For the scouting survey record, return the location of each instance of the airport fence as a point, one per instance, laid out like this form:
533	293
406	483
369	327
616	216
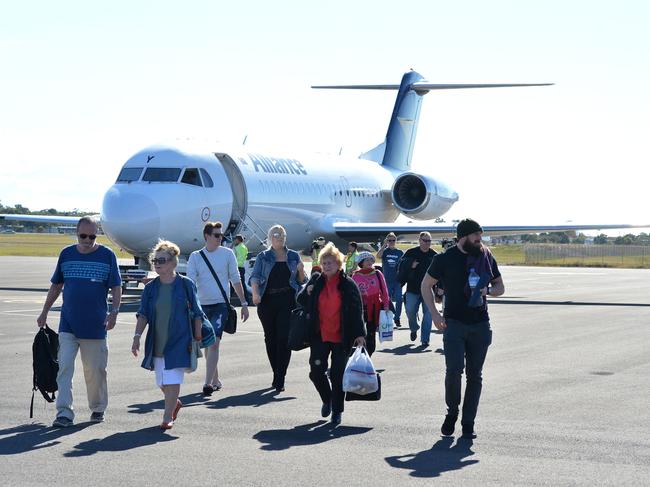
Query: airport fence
633	256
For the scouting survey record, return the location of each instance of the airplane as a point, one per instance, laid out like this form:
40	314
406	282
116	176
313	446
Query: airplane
171	192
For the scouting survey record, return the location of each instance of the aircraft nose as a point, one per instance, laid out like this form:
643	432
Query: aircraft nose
130	219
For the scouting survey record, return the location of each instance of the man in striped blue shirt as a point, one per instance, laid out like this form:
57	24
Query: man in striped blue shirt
85	272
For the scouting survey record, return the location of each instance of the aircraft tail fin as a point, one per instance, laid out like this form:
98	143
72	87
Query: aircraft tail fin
397	148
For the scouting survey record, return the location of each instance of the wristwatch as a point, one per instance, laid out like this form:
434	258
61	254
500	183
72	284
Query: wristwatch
114	312
244	303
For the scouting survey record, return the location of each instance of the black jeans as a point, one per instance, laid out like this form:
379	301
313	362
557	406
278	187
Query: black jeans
274	312
242	272
371	338
330	389
465	345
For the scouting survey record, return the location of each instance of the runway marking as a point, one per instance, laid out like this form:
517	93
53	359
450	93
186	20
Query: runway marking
18	314
21	310
572	273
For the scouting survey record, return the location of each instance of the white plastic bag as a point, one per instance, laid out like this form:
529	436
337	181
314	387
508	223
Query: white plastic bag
386	324
360	376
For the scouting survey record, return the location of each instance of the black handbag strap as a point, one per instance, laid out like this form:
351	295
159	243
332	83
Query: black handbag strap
216	278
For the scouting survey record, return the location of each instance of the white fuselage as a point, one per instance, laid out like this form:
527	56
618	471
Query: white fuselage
160	195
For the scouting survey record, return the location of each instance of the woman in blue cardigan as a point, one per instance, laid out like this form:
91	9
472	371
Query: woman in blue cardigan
170	307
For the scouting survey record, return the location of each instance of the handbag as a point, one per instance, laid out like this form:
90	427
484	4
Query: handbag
298	329
230	326
195	345
373	396
207	331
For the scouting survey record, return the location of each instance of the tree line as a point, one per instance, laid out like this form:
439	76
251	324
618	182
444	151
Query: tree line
570	237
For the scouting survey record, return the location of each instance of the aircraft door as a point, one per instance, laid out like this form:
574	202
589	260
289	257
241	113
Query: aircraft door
346	191
239	192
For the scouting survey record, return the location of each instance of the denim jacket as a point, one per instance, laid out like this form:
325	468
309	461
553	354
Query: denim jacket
177	349
264	263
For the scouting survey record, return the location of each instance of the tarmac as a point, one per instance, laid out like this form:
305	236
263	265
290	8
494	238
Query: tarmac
566	396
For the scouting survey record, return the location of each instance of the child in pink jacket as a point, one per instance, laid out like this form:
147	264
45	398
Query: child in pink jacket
374	294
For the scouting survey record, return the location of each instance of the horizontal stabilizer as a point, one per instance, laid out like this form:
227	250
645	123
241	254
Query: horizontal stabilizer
370	232
425	86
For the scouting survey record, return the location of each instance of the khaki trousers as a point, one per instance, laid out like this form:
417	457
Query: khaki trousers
94	358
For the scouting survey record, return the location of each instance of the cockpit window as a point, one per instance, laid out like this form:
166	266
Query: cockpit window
207	180
162	174
128	174
191	176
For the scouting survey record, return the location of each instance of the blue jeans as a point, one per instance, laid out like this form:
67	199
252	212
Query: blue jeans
413	302
466	345
395	294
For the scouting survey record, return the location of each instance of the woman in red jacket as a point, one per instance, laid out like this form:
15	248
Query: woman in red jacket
334	307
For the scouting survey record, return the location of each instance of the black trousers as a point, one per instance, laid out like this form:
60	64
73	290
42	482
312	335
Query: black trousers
329	389
371	337
242	273
274	312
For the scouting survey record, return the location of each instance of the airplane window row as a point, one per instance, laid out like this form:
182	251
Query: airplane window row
191	176
315	189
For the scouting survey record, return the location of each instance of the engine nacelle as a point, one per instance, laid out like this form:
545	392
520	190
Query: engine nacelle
422	197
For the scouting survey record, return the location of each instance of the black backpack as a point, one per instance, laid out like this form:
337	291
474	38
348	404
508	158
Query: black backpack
45	351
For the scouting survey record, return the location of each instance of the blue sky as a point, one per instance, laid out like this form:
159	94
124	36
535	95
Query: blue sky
85	85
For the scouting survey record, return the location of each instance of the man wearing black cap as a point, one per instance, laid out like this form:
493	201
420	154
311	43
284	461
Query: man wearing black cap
468	273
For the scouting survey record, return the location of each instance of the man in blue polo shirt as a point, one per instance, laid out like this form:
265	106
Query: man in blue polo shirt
390	256
85	273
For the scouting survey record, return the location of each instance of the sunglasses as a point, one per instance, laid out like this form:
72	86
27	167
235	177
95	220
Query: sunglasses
84	236
217	235
160	260
278	235
392	240
425	241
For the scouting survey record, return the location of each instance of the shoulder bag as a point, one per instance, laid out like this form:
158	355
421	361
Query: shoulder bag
230	326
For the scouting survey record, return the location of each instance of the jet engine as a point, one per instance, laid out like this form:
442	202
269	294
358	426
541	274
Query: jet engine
421	197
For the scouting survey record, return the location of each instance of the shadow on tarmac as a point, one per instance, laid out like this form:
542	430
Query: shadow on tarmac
405	349
254	399
30	437
305	434
194	399
121	442
442	457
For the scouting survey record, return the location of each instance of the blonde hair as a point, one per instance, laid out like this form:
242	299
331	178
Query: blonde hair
331	251
275	228
170	248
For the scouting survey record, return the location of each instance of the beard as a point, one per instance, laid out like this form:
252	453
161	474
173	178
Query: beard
473	249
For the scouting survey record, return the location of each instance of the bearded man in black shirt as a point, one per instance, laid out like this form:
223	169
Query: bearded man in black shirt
468	273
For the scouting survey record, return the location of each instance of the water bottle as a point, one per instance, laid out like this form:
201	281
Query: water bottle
473	279
475	298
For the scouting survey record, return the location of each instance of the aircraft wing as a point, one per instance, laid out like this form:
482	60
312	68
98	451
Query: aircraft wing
42	218
371	232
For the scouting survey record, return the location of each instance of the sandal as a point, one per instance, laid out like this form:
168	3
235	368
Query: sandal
166	426
208	389
178	407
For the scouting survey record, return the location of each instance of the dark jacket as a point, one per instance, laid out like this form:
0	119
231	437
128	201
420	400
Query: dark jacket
413	277
351	308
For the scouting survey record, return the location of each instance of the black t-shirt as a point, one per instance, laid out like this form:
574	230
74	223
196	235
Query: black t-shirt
450	268
279	277
416	275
